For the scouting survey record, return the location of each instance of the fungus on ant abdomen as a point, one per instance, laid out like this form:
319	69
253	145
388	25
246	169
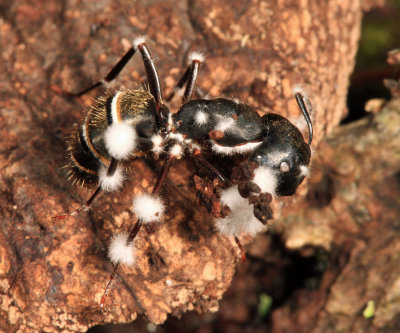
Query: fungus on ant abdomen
130	123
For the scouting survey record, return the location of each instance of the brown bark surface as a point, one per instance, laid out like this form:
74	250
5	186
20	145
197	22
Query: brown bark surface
52	272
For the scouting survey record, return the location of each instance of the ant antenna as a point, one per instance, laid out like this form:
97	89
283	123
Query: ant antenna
302	106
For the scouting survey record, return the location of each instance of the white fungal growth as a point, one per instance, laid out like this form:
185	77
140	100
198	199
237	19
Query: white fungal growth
196	56
111	183
298	89
120	251
148	208
241	220
304	170
176	150
231	197
120	140
200	118
224	124
138	41
266	179
157	143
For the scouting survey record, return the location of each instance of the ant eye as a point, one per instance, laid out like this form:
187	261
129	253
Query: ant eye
284	167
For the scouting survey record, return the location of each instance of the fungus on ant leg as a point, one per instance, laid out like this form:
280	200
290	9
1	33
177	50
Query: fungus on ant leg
130	123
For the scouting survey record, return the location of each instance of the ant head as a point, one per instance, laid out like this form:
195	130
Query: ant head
284	152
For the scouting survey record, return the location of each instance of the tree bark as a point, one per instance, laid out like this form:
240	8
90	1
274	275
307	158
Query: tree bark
53	272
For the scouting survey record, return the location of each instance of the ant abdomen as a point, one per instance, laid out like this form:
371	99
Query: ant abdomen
133	110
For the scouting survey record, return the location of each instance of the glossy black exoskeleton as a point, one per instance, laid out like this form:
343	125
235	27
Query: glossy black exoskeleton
232	127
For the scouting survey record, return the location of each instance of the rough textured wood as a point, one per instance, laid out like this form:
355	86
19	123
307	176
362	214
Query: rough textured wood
52	273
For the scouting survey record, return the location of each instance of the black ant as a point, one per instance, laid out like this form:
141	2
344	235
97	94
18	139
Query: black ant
123	125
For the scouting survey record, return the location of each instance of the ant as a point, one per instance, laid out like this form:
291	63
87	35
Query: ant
130	123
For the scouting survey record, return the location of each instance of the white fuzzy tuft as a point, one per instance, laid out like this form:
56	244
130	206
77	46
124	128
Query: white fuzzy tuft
138	41
196	56
200	118
224	124
111	183
148	208
121	252
241	220
157	143
231	197
195	146
265	178
120	140
298	89
304	170
176	150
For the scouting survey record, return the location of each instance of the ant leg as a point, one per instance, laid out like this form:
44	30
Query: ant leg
110	172
180	83
151	72
152	76
241	248
108	78
189	77
112	74
192	81
199	157
136	228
